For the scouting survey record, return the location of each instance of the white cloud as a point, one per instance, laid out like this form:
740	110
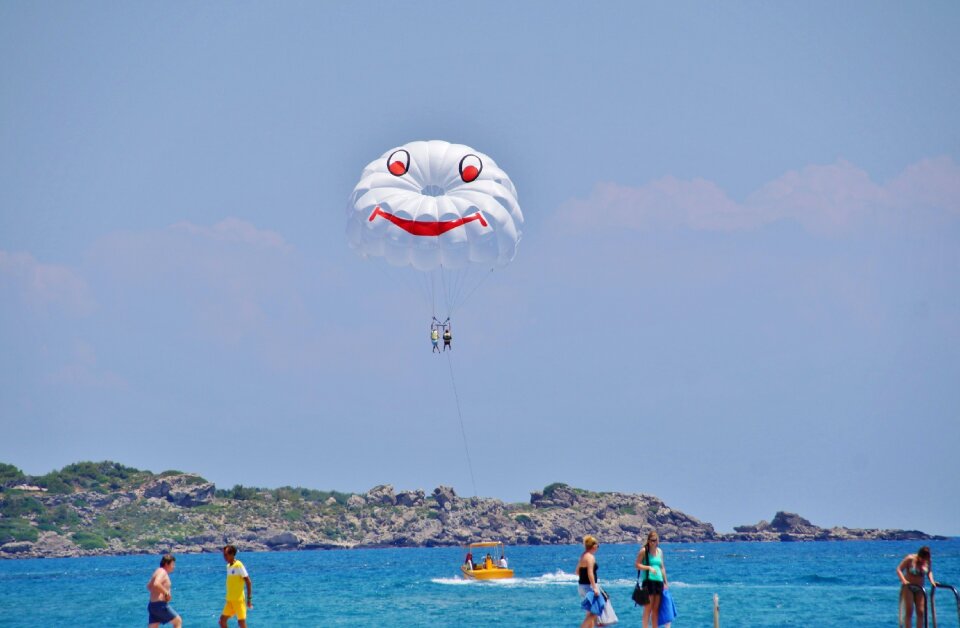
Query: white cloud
826	199
84	371
230	285
235	230
929	183
232	276
45	286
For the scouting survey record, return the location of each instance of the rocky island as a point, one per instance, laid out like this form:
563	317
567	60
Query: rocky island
106	508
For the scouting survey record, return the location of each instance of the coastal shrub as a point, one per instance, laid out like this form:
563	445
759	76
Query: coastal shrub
332	533
211	508
16	505
89	540
550	488
628	510
58	518
293	514
238	492
10	474
189	479
16	530
294	493
523	519
100	476
54	484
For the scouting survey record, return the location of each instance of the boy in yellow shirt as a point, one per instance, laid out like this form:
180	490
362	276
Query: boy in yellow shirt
237	577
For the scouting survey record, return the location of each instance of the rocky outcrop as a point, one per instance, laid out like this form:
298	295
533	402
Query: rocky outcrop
186	491
382	494
445	497
163	515
17	547
788	526
190	496
282	540
410	499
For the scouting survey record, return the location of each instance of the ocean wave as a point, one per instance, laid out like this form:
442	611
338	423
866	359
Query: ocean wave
556	578
547	579
453	581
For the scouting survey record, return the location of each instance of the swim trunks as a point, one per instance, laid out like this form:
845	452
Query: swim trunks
236	607
160	613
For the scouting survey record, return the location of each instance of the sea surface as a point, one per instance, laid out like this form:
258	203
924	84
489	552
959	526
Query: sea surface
759	584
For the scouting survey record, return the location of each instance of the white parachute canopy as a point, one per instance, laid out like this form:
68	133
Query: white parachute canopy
445	210
434	205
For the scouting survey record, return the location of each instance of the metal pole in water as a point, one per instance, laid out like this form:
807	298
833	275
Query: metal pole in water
716	611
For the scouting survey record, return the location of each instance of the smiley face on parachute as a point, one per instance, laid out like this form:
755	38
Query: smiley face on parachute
435	205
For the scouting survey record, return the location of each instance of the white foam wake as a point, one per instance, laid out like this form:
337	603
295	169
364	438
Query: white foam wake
558	577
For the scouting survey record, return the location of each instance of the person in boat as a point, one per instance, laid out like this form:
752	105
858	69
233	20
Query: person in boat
468	561
650	560
488	562
911	571
503	562
447	337
587	577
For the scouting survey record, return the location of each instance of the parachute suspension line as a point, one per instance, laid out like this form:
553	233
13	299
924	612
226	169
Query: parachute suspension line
456	282
477	286
446	292
463	431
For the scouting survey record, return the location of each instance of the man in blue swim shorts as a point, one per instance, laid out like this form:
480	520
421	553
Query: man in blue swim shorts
158	609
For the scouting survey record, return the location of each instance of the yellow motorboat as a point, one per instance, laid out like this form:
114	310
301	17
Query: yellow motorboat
490	562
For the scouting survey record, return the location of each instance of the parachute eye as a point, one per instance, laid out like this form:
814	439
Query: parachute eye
398	162
470	167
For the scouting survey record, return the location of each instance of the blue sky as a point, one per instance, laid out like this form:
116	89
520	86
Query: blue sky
738	287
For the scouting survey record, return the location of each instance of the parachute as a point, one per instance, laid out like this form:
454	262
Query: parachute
445	210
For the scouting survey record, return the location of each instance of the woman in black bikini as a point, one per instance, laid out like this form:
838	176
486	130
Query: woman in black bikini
911	571
587	576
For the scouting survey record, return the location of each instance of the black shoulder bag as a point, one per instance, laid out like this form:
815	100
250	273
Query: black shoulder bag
640	595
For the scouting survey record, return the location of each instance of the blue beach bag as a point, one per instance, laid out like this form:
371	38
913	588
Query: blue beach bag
668	610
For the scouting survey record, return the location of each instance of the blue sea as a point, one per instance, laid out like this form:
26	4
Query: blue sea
774	584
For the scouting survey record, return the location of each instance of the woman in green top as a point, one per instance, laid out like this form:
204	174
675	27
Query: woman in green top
650	559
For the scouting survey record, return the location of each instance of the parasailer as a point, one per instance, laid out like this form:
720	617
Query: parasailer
445	210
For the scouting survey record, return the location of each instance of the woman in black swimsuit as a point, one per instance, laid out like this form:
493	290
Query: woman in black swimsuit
587	576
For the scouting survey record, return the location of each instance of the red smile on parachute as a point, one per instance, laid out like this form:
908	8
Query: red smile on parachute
426	228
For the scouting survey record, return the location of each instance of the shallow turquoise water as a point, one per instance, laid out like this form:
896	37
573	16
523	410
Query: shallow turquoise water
762	585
